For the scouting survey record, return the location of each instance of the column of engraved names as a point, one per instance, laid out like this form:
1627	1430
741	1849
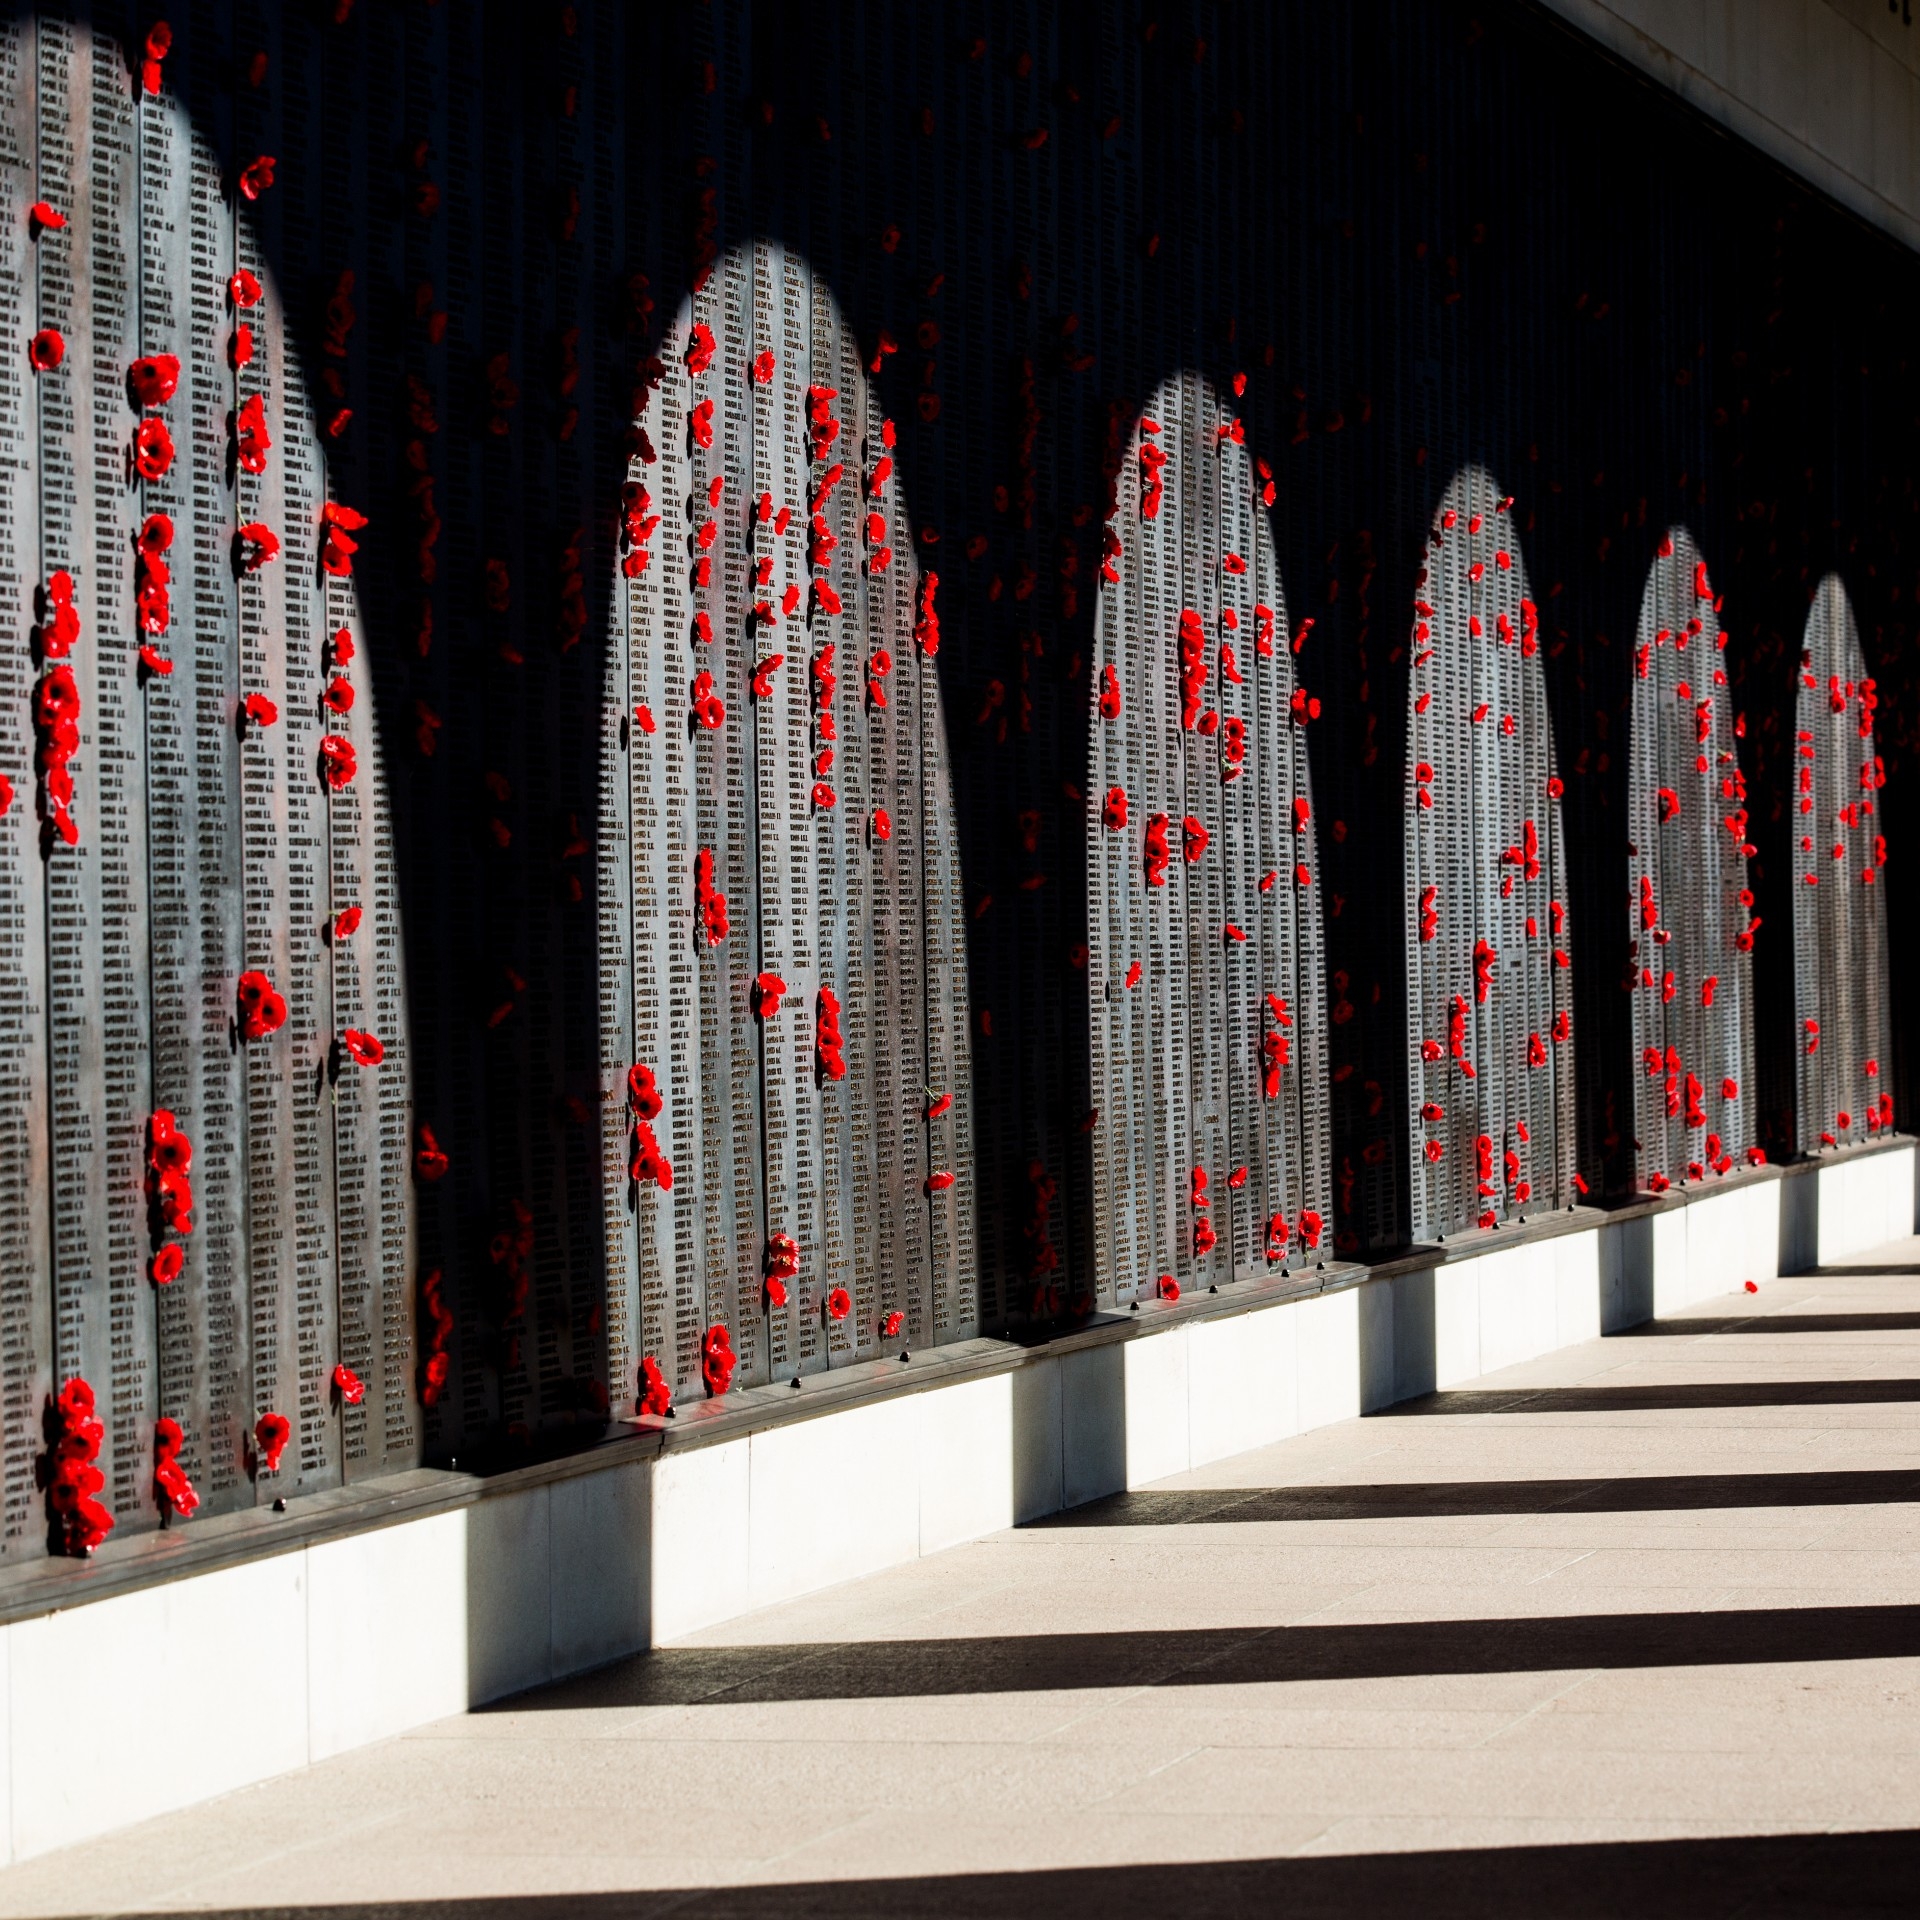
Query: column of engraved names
25	1336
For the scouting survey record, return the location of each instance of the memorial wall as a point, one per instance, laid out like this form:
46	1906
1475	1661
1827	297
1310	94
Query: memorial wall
700	693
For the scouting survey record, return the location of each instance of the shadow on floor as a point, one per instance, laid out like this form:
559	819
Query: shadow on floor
1466	1499
1774	1874
1230	1656
1653	1397
1775	1323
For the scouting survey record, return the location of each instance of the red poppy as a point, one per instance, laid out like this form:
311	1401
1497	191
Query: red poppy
164	1268
348	1384
46	350
337	760
763	673
891	1325
717	1360
767	989
648	1165
152	449
240	348
655	1395
839	1304
430	1162
339	695
256	544
152	379
700	348
882	824
256	176
252	441
763	366
783	1256
939	1182
262	1010
936	1108
338	525
1113	812
776	1291
643	718
271	1432
155	662
46	218
366	1049
643	1092
260	711
1169	1287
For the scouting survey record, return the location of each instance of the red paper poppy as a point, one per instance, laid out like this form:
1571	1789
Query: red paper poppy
939	1182
46	218
338	762
338	525
655	1395
1169	1288
348	1384
643	1092
339	695
240	348
717	1360
152	379
839	1304
271	1432
767	989
46	350
891	1325
648	1165
252	442
155	662
152	449
262	1010
783	1256
260	711
164	1268
366	1049
244	289
700	348
937	1107
1113	813
430	1162
882	824
776	1291
256	176
256	543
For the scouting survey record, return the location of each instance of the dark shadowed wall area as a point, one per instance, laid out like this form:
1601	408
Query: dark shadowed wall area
1398	239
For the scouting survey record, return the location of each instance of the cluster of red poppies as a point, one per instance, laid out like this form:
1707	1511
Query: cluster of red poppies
648	1165
262	1008
56	706
170	1483
77	1522
436	1363
169	1191
828	1048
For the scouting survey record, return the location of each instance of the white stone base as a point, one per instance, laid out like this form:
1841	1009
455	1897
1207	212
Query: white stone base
120	1708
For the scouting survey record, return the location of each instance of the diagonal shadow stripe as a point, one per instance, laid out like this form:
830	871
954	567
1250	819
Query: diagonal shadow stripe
1779	1874
1775	1323
1654	1397
1456	1499
1232	1656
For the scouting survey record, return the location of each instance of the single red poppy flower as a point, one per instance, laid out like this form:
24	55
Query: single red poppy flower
256	176
260	711
46	350
429	1159
346	923
256	543
767	989
776	1293
164	1268
152	379
366	1048
643	718
46	218
839	1304
339	695
240	348
717	1360
251	440
882	824
1169	1286
244	289
152	449
271	1432
348	1384
939	1182
936	1108
155	662
338	525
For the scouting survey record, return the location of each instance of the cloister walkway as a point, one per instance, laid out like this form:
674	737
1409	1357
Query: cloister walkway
1632	1628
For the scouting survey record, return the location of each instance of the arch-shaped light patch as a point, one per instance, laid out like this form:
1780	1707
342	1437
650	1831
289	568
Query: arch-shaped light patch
1206	971
1490	1001
200	929
1689	901
1839	903
787	866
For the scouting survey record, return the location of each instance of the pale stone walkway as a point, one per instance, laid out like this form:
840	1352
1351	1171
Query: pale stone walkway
1633	1628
